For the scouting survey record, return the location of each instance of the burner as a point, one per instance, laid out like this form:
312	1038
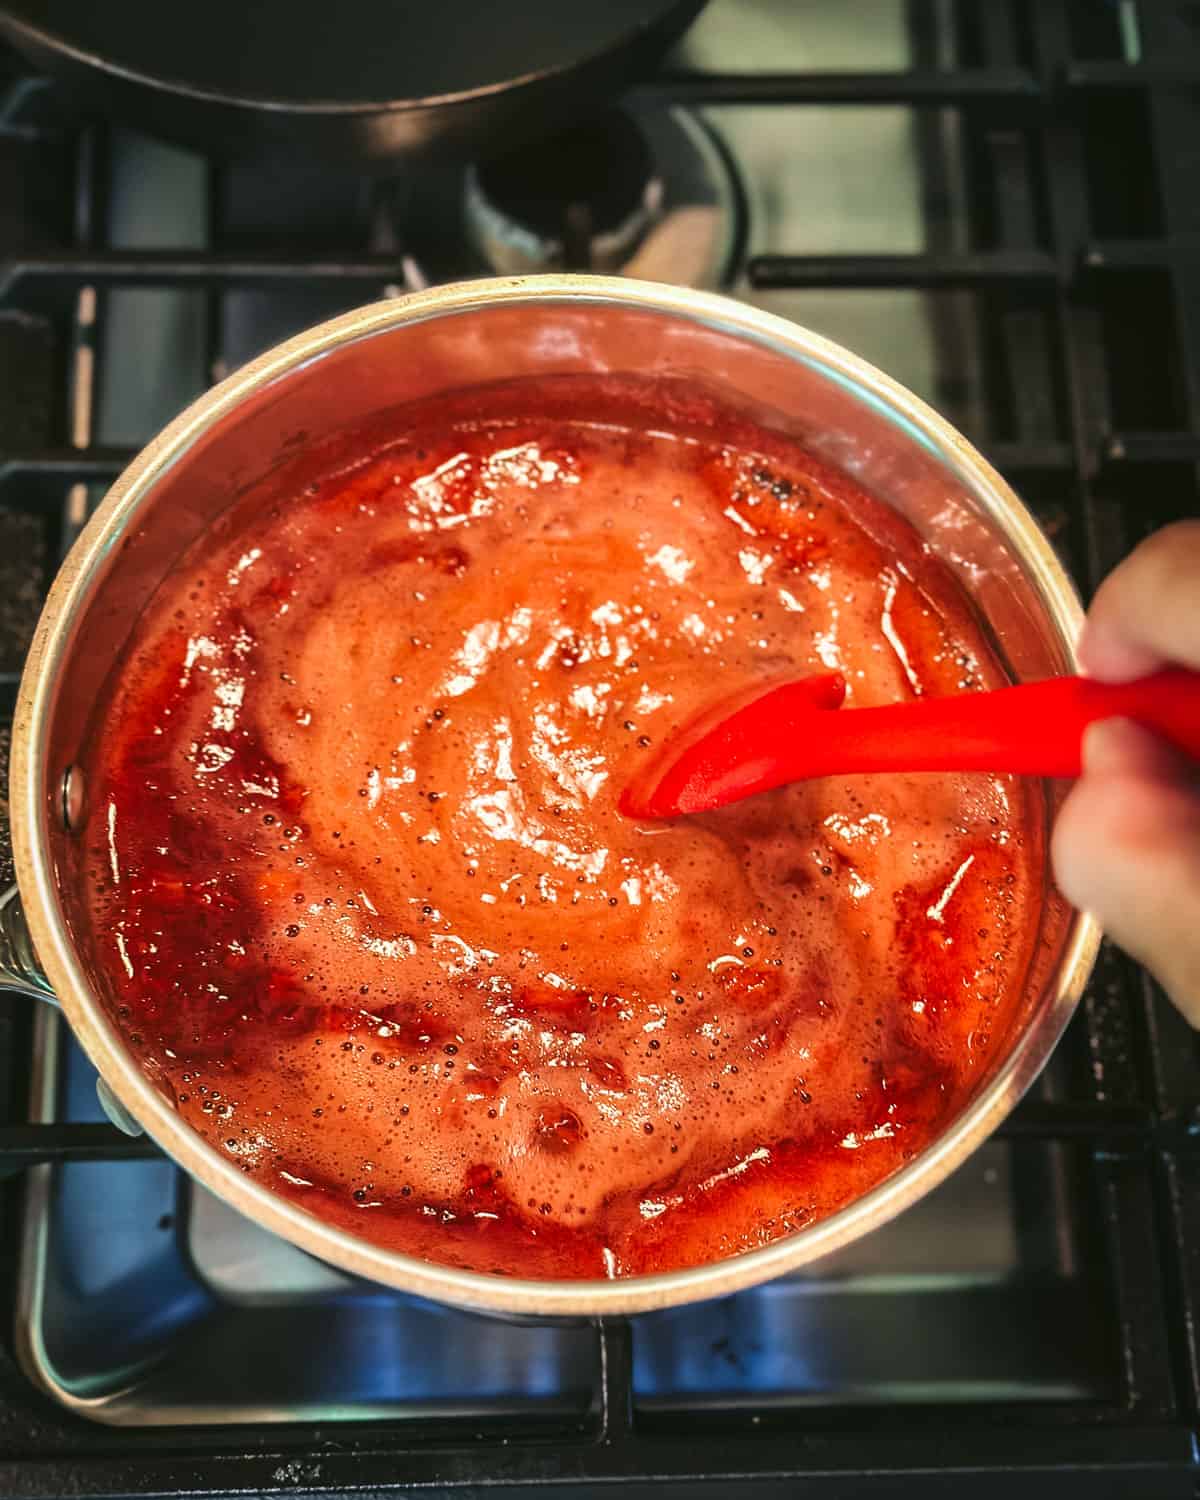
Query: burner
646	193
582	201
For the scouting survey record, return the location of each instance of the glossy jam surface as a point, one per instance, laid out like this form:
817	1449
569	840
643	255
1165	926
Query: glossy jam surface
367	909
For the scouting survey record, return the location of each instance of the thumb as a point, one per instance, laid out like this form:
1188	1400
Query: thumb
1126	847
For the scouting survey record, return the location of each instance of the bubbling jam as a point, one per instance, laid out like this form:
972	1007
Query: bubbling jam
365	907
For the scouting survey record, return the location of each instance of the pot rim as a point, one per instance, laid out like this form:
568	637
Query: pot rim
107	1051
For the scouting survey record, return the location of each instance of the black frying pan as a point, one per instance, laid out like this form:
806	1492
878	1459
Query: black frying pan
370	78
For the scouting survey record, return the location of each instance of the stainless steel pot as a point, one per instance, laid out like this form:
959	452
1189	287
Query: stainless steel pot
338	375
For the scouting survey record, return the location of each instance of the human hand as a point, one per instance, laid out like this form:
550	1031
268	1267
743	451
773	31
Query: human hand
1126	845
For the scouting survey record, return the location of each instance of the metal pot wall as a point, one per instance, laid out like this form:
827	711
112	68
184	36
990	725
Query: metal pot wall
337	376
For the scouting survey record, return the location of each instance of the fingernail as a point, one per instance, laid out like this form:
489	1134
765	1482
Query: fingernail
1109	657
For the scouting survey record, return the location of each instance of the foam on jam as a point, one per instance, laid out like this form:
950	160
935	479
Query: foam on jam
367	909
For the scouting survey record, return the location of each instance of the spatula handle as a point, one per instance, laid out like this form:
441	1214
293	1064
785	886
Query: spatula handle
1036	728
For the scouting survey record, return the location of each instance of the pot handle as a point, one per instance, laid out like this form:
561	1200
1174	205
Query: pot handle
21	971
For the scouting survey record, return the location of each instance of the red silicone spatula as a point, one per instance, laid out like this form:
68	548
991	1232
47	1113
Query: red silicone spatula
792	733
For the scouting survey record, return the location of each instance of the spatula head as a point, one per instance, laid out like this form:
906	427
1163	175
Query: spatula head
733	750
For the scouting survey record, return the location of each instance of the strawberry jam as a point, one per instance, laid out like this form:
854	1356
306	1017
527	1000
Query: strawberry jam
365	906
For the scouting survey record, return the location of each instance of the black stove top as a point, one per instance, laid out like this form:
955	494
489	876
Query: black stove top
999	203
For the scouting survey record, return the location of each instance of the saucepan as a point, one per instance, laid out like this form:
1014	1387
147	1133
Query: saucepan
344	373
376	81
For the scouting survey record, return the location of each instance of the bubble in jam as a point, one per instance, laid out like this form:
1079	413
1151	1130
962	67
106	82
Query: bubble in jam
364	905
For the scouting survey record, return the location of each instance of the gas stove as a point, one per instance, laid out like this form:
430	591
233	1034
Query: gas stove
997	204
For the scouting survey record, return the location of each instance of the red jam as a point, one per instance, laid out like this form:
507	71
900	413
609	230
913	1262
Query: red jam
366	907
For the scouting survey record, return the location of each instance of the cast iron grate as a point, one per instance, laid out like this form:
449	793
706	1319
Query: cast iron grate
1079	123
